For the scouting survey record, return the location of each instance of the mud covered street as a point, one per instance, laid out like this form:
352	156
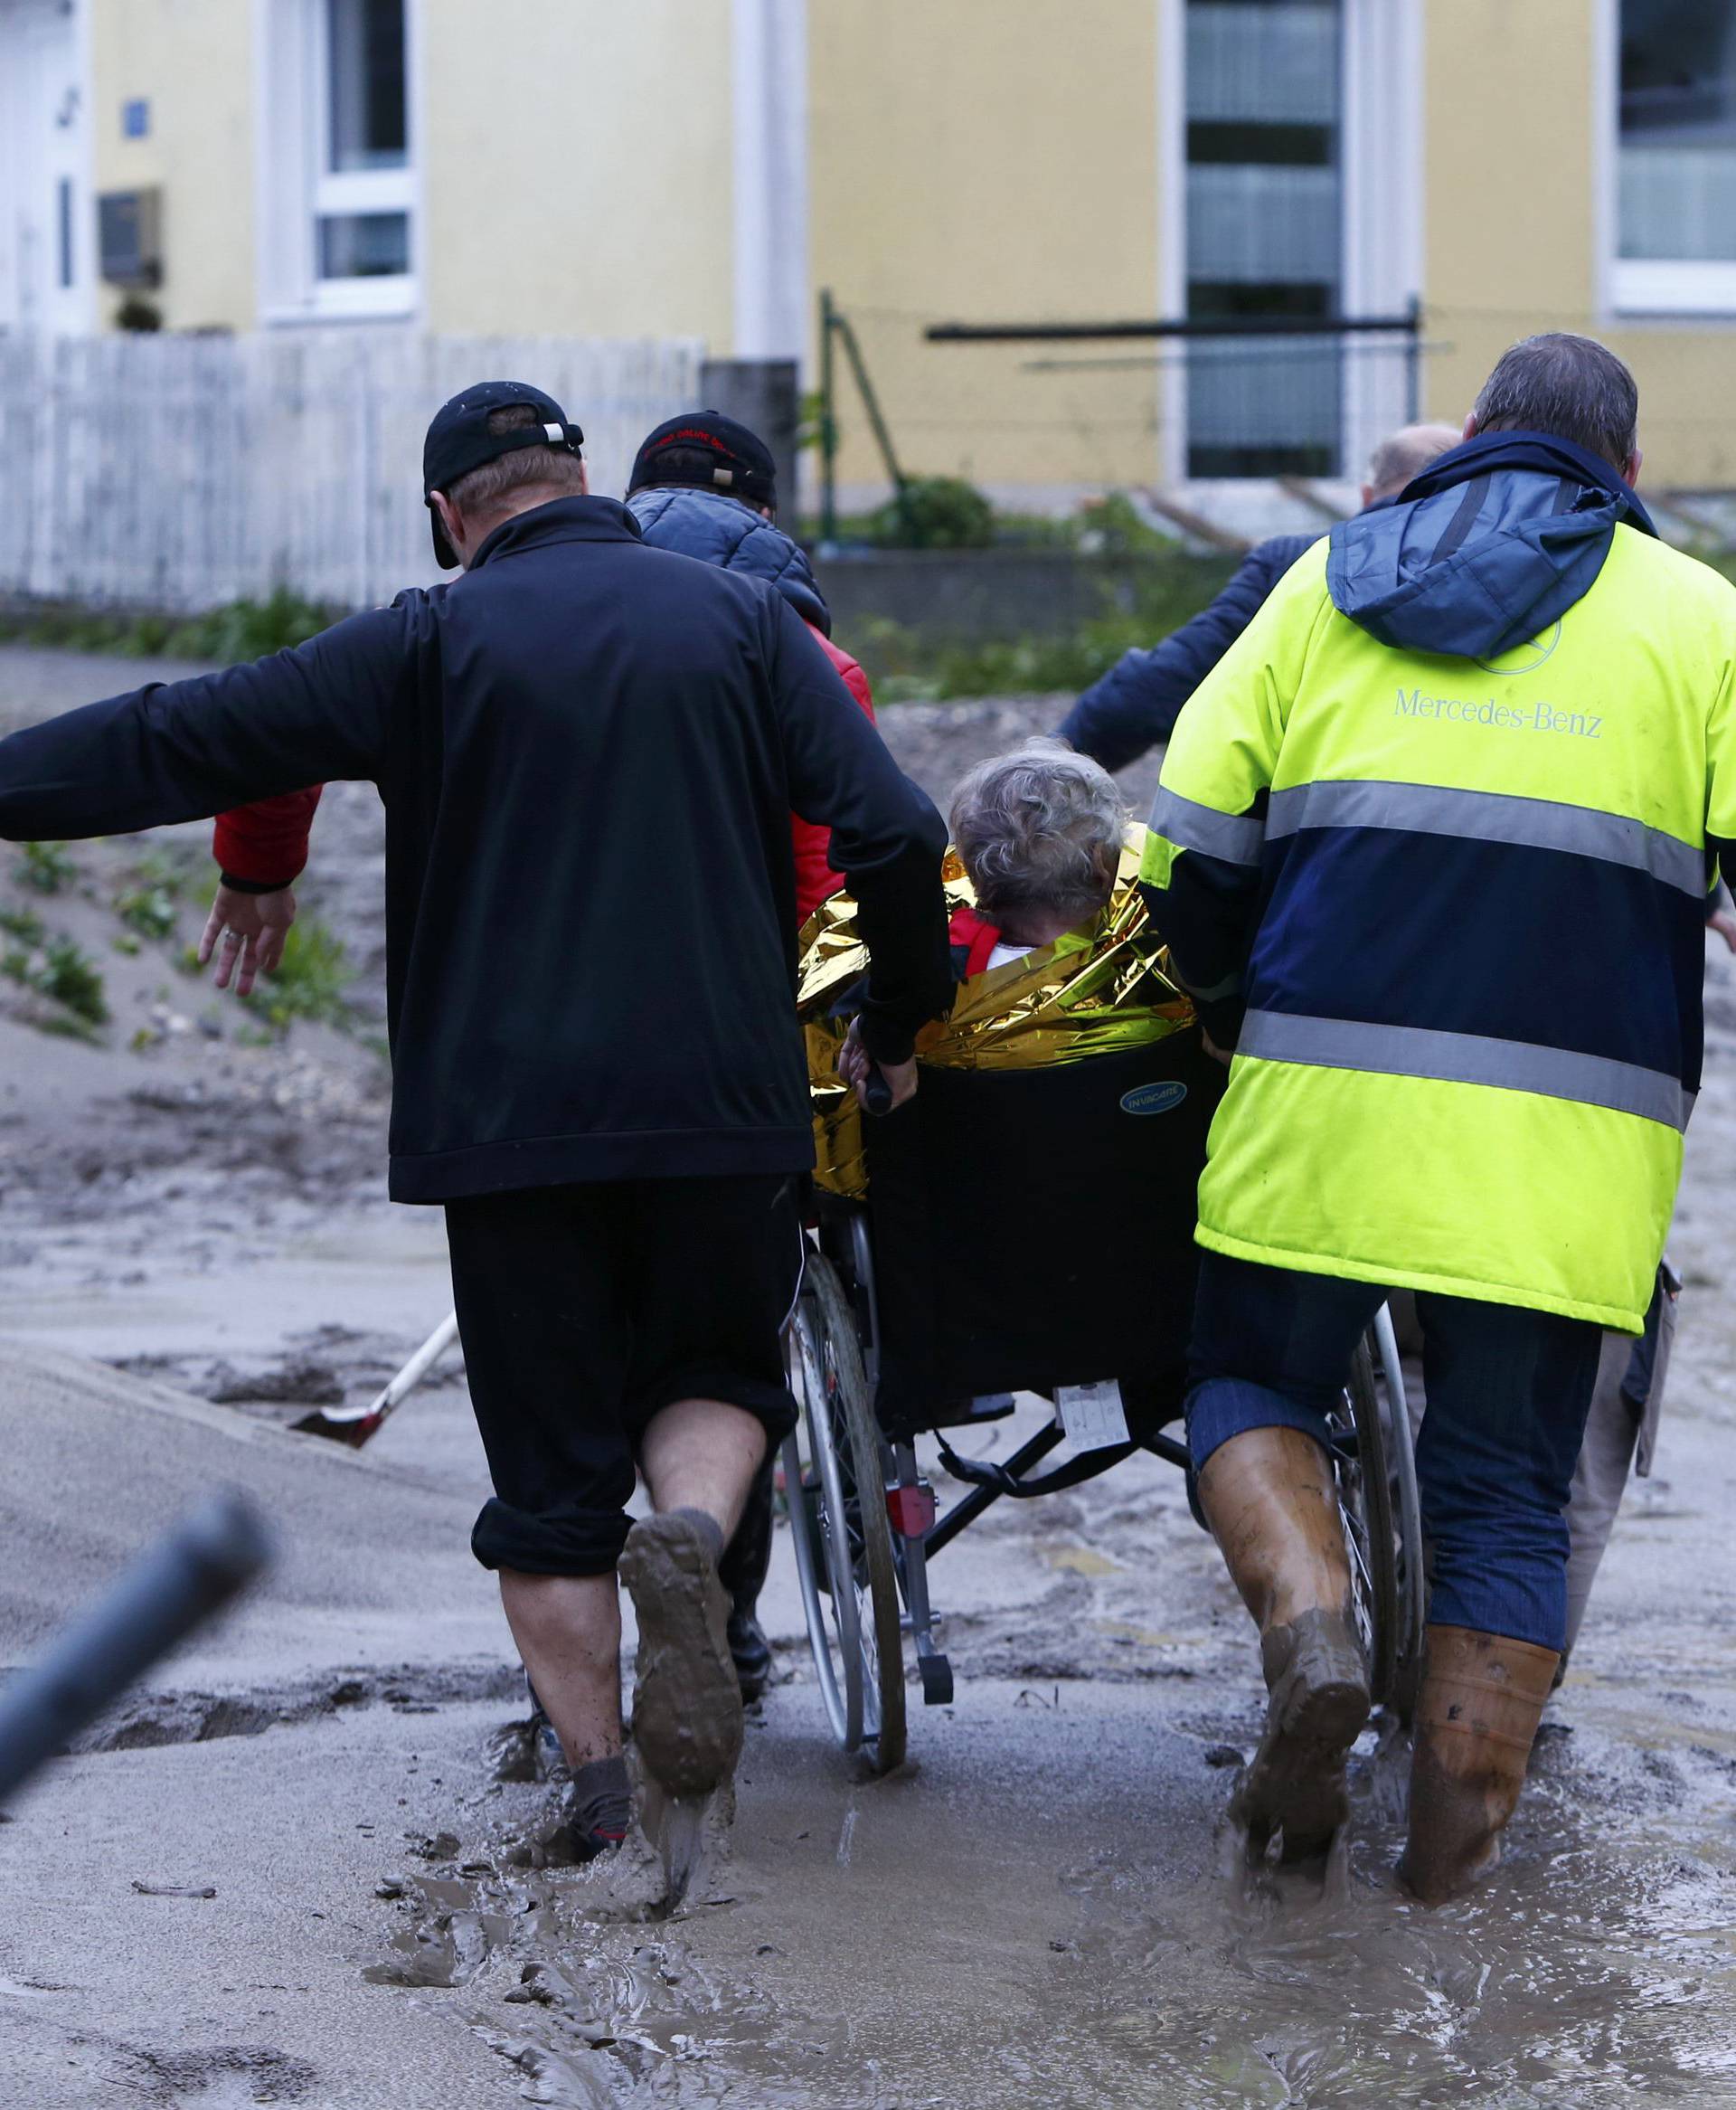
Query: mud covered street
195	1247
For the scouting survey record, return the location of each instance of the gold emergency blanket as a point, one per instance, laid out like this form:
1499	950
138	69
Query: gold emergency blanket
1094	992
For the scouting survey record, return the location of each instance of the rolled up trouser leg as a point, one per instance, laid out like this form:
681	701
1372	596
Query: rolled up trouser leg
1482	1698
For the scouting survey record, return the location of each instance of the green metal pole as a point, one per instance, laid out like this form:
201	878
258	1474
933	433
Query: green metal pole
870	404
828	425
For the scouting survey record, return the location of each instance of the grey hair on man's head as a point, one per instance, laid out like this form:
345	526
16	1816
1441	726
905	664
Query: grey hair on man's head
1571	387
1041	827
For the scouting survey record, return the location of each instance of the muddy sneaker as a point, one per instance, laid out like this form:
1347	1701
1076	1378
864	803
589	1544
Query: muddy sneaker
1318	1682
687	1702
569	1843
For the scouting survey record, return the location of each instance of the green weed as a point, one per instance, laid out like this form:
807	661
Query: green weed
59	970
72	978
312	982
243	629
44	867
23	924
149	910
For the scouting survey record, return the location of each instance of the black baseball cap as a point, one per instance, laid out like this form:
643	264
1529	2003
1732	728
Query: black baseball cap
710	451
459	441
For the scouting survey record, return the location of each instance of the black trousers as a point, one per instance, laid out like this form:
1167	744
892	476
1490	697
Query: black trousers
586	1309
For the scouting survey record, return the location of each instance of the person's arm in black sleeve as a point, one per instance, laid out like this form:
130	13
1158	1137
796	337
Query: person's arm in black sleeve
185	750
887	839
1136	702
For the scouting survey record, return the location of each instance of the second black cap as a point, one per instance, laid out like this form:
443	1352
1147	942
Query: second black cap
710	451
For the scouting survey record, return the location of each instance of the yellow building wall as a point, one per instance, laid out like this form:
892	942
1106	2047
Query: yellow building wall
994	160
577	167
193	60
1513	228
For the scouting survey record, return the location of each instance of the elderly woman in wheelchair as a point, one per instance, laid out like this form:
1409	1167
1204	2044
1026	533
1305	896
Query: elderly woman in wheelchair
1023	1224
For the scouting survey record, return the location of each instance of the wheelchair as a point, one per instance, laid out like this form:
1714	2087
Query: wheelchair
1028	1231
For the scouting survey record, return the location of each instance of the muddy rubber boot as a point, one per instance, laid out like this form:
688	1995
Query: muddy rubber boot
686	1703
742	1572
1272	1502
1482	1698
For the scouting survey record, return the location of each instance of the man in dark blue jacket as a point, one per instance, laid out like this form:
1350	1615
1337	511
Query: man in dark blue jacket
589	753
1135	706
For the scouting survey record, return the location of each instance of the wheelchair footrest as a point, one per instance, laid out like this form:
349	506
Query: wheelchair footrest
937	1679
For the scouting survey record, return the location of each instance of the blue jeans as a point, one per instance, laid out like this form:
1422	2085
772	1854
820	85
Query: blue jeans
1508	1391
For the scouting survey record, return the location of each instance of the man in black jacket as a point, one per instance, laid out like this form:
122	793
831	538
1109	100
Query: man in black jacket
1135	706
589	752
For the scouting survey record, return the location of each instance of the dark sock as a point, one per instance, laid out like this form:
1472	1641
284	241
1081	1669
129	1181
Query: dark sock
709	1529
601	1799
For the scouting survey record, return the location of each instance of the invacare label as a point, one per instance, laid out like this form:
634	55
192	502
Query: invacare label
1535	718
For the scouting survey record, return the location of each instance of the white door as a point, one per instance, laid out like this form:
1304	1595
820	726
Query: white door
46	233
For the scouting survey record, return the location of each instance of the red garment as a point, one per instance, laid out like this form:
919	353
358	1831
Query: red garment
266	843
973	935
815	880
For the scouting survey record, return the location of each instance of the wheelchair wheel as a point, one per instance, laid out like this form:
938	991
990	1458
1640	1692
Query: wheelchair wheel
835	1473
1377	1497
1407	1523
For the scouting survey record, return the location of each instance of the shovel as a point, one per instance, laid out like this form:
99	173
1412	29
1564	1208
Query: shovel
354	1424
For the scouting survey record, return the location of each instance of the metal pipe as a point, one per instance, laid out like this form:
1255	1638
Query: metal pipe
174	1587
1238	325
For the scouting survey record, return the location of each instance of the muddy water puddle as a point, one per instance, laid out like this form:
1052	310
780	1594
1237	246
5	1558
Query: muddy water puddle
1599	1967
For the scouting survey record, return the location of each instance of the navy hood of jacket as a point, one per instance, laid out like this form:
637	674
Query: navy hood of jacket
1488	546
722	531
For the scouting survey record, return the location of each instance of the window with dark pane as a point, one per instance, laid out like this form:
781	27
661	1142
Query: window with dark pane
1265	233
368	104
1677	172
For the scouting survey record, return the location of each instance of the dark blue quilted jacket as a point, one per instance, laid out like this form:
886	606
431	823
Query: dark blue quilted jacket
1136	702
722	531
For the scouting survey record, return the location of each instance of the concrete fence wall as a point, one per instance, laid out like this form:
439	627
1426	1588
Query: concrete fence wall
968	596
182	472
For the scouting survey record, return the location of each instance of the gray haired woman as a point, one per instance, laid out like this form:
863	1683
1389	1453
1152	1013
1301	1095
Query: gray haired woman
1039	831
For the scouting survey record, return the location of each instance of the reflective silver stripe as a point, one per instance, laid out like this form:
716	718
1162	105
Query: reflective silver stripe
1498	817
1234	838
1466	1058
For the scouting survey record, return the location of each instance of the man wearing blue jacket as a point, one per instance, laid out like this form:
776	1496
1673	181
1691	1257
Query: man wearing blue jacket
610	1128
1135	704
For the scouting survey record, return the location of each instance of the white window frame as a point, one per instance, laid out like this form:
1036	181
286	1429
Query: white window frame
1639	286
1380	175
296	190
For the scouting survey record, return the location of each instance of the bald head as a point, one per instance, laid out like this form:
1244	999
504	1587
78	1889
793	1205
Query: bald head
1406	454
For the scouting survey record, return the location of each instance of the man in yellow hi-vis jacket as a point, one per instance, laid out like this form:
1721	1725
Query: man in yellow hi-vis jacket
1431	849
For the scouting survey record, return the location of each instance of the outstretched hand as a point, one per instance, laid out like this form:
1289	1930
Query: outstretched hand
247	931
